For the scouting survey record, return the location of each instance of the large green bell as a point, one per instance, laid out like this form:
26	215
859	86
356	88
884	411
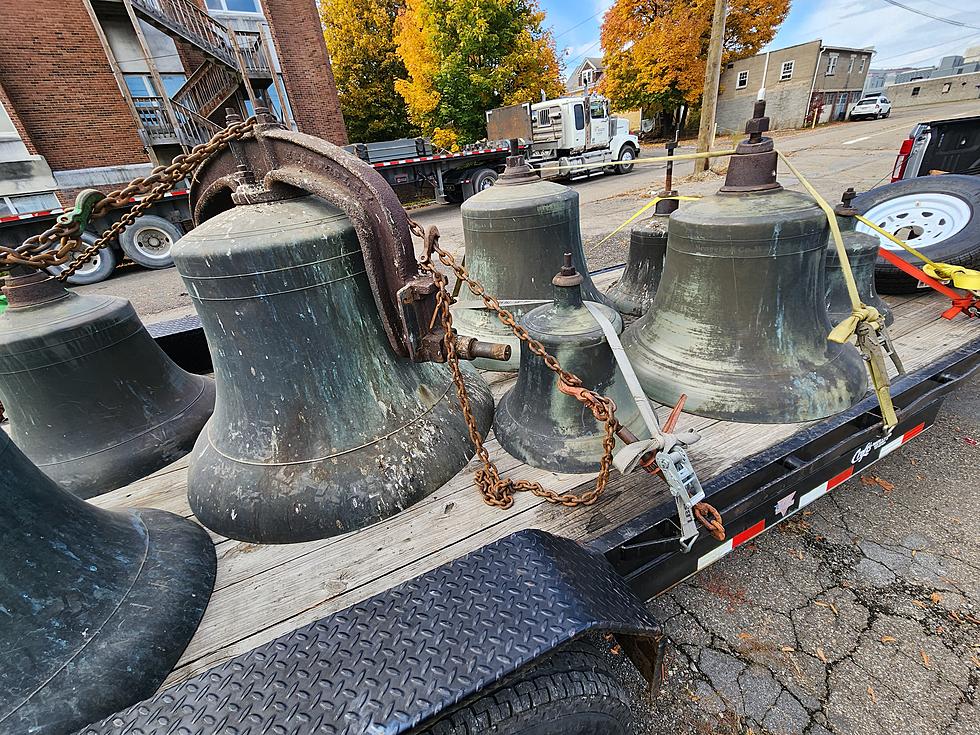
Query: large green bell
319	428
633	293
96	606
91	398
514	232
535	421
740	321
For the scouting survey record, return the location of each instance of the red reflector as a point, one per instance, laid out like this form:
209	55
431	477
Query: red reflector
741	538
838	479
901	161
914	431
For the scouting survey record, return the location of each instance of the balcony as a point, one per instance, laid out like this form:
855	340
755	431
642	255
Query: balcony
192	129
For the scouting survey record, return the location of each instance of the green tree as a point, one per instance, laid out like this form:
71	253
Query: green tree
655	50
360	39
464	57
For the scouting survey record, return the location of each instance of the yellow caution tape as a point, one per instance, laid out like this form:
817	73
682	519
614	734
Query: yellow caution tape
641	210
865	323
961	277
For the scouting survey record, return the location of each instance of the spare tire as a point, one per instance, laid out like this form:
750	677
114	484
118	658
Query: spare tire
939	215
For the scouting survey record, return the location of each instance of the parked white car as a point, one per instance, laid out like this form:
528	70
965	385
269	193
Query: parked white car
871	107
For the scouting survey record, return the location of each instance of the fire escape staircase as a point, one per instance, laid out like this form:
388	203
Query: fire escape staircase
233	59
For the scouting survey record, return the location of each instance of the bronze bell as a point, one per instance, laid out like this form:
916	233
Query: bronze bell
97	606
740	321
323	424
862	253
535	421
633	293
514	232
91	398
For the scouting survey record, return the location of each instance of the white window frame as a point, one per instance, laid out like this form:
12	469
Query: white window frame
742	80
850	64
8	202
224	8
786	70
861	67
588	76
831	65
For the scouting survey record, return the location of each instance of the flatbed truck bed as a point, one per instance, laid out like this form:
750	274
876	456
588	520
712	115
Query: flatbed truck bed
756	475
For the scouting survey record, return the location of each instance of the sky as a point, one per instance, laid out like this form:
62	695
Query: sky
900	37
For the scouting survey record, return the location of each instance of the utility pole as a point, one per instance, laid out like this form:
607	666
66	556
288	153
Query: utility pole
712	74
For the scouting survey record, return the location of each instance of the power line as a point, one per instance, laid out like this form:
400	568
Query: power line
582	23
923	13
925	48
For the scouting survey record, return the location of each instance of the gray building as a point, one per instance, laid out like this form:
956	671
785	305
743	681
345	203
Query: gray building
878	79
950	88
807	83
948	66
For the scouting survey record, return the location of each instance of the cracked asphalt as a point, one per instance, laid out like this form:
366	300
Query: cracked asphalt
858	616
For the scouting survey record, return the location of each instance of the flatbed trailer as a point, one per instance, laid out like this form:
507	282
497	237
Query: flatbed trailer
389	627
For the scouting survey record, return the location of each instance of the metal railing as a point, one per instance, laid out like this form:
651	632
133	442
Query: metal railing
153	120
205	89
191	23
193	128
253	54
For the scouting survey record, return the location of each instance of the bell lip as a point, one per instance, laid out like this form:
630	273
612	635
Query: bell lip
162	609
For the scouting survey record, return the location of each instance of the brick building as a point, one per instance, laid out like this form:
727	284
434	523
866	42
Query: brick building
801	82
96	92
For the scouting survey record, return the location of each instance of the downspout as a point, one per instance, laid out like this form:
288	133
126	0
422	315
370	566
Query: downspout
813	84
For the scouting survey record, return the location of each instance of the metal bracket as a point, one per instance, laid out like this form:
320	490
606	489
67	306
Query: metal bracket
85	202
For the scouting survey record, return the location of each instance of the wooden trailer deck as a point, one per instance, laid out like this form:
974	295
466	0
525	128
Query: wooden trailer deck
265	591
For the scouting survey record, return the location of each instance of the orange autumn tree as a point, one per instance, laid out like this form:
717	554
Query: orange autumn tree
464	57
655	50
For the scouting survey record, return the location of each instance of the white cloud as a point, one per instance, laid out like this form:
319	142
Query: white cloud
900	37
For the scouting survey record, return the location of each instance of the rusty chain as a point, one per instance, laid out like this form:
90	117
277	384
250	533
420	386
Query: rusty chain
498	491
59	243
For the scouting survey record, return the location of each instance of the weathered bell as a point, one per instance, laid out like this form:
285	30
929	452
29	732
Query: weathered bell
96	606
514	232
740	322
862	252
319	427
92	399
633	293
535	421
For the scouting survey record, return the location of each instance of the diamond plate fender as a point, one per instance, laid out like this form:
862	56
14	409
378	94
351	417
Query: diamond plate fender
402	657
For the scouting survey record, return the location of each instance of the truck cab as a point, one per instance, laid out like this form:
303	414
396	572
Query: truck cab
575	125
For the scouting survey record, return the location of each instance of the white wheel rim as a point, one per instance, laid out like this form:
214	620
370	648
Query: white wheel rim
921	220
91	266
486	183
627	156
153	243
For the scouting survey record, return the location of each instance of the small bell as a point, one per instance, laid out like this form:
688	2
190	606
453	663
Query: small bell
634	292
535	421
862	253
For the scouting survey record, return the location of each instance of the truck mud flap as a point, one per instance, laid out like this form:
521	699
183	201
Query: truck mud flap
402	657
770	487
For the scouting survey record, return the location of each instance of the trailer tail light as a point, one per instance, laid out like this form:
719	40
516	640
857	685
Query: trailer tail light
901	161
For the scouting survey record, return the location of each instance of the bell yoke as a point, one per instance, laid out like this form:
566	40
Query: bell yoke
331	413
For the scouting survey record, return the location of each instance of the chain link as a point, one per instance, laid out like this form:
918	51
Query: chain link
498	491
59	244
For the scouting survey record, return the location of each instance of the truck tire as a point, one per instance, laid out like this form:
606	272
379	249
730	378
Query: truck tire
626	153
479	179
939	215
96	270
574	691
149	240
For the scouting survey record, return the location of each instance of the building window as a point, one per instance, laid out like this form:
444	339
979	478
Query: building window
235	6
743	80
831	64
861	67
587	77
786	71
27	203
850	65
946	87
915	91
141	85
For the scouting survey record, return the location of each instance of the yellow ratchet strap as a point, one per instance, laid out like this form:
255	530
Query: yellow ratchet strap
965	278
865	323
641	210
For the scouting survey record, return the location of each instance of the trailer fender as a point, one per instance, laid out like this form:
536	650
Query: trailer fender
403	657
